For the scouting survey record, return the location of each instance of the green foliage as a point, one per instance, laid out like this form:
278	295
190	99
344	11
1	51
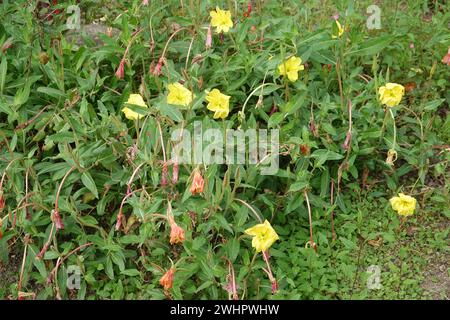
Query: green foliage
66	146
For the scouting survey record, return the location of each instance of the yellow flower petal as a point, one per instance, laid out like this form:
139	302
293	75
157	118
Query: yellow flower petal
403	204
263	236
340	30
221	20
290	68
135	99
179	95
219	103
391	94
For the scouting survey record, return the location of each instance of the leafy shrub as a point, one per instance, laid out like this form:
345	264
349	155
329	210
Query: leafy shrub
68	150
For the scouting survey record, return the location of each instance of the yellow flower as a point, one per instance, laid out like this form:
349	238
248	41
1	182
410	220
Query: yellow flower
403	204
340	30
135	99
219	103
291	67
391	94
221	20
179	95
263	236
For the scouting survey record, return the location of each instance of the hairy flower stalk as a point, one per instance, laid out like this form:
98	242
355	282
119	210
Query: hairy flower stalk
121	69
231	286
263	237
2	201
56	217
311	237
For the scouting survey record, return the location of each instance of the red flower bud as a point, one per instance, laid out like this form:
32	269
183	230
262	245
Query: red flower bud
120	70
208	43
157	71
175	170
57	220
348	139
274	286
7	45
119	220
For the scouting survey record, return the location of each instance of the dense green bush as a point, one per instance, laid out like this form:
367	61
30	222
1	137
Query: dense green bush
66	147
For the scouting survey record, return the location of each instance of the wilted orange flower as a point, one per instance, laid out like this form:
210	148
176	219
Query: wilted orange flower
410	86
176	233
197	183
446	58
167	279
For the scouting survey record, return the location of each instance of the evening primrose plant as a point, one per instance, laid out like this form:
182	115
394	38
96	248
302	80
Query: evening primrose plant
104	136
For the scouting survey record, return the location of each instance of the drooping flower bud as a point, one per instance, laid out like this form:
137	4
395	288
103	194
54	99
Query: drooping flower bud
157	70
249	9
43	251
348	139
175	171
313	128
57	220
120	70
119	220
6	45
274	286
208	43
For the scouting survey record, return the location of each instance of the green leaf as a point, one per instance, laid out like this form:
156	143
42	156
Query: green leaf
88	220
131	272
89	183
3	69
299	185
372	46
173	112
52	92
433	105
